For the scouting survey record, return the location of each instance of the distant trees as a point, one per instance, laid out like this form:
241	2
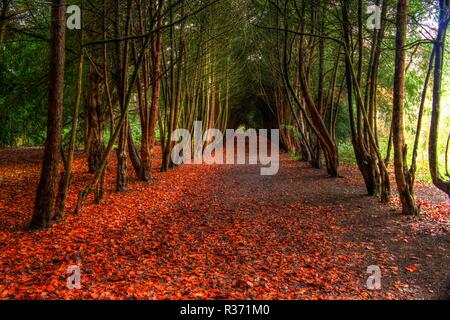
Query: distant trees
292	64
159	70
314	62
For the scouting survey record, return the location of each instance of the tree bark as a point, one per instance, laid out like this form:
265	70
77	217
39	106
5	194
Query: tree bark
3	20
47	188
67	176
439	46
402	175
156	82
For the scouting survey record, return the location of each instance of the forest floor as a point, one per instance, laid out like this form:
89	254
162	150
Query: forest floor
222	232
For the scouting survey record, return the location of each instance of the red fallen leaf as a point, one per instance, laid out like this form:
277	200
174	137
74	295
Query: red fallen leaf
160	241
95	295
50	288
411	268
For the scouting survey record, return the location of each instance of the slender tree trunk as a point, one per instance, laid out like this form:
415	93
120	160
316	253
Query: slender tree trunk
415	152
357	142
439	46
67	176
402	176
156	81
133	152
447	149
47	188
317	158
144	107
95	120
313	115
3	20
122	156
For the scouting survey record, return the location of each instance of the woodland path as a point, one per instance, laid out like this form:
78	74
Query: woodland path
221	232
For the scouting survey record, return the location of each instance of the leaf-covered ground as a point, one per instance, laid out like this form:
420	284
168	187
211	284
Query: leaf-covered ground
222	232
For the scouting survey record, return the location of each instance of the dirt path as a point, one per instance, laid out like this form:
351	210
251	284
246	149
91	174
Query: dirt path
221	232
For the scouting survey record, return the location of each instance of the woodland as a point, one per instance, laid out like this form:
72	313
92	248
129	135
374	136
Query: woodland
92	91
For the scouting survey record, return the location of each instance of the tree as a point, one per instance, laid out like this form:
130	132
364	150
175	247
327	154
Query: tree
47	189
439	48
405	183
363	128
4	11
156	81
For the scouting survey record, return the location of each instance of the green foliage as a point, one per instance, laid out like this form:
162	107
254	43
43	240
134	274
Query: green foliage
23	94
343	131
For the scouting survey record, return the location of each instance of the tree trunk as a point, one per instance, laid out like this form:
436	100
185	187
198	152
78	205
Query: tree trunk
123	52
47	188
312	115
439	46
67	176
95	120
156	82
143	88
361	154
402	176
133	153
3	21
415	152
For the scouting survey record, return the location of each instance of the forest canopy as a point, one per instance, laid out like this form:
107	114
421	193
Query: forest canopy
224	149
350	81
